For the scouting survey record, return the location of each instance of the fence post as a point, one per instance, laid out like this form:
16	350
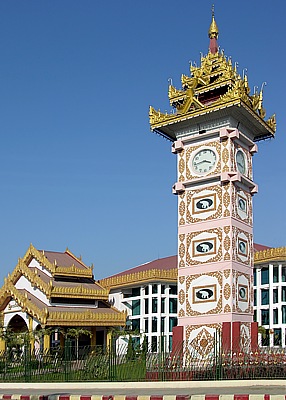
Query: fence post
27	363
67	362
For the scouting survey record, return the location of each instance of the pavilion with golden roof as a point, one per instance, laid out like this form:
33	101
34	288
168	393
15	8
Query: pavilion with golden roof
56	290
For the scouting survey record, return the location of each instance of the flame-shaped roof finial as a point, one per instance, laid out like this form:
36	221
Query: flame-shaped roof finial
213	34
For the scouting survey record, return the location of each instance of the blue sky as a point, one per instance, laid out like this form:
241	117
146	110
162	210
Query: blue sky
79	167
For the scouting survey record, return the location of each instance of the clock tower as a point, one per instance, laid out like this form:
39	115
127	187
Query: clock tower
214	126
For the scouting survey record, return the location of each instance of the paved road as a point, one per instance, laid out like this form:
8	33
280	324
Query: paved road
275	387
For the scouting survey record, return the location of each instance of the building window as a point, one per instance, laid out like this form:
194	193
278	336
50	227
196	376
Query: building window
136	343
146	325
135	307
255	316
135	291
275	295
172	306
264	297
275	274
154	324
163	305
154	305
255	298
283	293
170	343
154	288
265	276
275	316
265	317
265	338
277	337
135	324
283	314
146	302
163	289
283	273
146	290
162	324
173	289
254	277
154	344
173	321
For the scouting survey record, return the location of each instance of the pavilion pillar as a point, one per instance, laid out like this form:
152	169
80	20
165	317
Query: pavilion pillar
108	339
2	345
46	343
32	339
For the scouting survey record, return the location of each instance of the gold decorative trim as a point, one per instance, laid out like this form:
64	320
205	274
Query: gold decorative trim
64	318
9	290
216	72
274	254
49	290
86	318
54	269
139	277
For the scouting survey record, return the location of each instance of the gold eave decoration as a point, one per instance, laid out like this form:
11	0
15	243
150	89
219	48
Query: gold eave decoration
79	292
9	290
269	255
211	87
56	270
86	318
150	275
49	290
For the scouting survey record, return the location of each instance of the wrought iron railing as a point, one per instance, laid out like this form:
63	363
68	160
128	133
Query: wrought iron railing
109	364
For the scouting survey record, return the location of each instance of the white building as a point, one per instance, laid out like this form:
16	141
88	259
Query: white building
148	293
270	295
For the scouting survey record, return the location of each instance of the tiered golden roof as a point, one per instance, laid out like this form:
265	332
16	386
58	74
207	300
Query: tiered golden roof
212	87
84	287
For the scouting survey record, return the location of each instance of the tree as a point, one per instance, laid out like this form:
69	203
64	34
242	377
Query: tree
130	355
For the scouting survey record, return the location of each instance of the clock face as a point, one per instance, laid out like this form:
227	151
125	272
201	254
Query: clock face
204	161
240	161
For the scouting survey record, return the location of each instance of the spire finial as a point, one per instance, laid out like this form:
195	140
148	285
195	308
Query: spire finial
213	34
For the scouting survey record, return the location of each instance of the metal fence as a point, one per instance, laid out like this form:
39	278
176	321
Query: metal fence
106	364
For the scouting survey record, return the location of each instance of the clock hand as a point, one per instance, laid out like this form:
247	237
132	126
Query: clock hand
203	161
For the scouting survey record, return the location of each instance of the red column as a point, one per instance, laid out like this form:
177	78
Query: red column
177	346
254	336
236	336
226	337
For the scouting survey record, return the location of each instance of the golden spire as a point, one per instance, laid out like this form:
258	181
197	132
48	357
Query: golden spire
213	30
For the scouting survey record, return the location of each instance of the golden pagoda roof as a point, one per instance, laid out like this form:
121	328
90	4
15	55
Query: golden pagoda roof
213	87
81	286
59	264
60	315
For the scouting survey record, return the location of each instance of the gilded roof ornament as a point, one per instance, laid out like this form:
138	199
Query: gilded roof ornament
212	86
213	30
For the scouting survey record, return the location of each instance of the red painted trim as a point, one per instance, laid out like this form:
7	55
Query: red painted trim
267	397
183	397
7	396
62	397
211	397
23	397
241	397
107	397
85	397
156	397
131	397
